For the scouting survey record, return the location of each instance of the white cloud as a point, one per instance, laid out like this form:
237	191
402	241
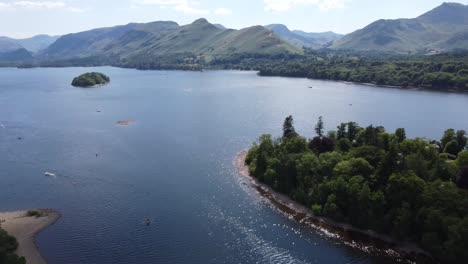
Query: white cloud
40	4
223	11
182	6
186	9
162	2
285	5
75	9
4	6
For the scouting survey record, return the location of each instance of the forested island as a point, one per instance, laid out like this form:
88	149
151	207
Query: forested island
414	190
90	79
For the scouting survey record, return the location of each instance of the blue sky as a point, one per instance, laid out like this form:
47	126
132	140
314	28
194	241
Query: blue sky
24	18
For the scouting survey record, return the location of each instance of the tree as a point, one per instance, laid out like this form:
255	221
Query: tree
462	178
462	159
449	135
319	127
344	145
461	139
452	148
353	167
353	129
341	132
321	145
401	134
404	188
288	128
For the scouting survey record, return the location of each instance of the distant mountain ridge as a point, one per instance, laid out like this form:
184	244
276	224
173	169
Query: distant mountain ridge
444	28
165	37
304	39
33	44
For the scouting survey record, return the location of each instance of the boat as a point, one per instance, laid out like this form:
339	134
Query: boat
49	174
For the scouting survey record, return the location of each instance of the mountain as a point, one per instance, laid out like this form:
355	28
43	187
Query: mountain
7	46
32	44
220	26
165	37
444	28
304	39
19	55
321	36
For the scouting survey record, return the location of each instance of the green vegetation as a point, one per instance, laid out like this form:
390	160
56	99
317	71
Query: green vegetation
8	245
90	79
441	72
412	189
35	213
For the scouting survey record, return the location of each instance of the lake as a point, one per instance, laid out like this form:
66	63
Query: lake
174	163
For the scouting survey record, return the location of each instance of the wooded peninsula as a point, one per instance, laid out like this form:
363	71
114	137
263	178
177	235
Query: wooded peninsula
411	189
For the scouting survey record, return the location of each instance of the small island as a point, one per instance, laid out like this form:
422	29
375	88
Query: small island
90	79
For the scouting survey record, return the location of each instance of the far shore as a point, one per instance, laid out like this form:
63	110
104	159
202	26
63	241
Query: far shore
25	228
366	240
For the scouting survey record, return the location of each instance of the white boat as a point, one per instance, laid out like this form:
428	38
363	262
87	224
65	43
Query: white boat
49	174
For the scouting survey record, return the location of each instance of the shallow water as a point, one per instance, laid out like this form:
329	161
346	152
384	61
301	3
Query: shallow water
174	163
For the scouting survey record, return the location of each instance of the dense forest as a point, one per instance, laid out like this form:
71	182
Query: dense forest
412	189
8	245
441	72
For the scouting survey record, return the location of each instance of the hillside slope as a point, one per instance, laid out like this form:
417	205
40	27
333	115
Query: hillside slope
304	39
162	38
444	28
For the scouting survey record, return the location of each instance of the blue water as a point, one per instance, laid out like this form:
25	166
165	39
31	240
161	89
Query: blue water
174	163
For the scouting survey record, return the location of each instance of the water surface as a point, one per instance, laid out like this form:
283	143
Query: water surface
174	163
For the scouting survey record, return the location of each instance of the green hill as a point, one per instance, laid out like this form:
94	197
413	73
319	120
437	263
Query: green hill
444	28
200	38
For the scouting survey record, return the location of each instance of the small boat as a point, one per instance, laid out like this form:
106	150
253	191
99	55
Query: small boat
310	87
148	222
49	174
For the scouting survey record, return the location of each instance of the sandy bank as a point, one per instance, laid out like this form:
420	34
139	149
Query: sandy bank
365	240
25	228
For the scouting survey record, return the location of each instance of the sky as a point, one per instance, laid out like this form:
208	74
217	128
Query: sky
21	18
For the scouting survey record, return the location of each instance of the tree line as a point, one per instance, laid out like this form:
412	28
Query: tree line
439	72
412	189
447	71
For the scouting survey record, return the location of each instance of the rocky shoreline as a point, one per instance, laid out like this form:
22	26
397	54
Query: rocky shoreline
366	240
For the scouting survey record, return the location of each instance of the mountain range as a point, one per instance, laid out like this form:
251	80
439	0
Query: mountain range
164	37
33	44
444	28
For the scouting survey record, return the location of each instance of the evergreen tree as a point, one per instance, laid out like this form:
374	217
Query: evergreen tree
319	127
288	128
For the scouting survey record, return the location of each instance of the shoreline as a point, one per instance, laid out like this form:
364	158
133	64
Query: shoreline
25	229
365	240
408	88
